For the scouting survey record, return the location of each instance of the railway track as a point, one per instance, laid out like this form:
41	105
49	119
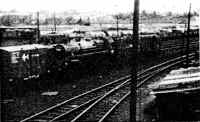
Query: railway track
98	103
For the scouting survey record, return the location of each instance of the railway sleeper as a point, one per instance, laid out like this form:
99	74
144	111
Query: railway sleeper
61	110
39	120
45	117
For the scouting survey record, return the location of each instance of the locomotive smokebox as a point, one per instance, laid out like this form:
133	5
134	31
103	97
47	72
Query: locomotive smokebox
59	52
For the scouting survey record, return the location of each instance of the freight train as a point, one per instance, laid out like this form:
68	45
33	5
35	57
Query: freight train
24	57
29	58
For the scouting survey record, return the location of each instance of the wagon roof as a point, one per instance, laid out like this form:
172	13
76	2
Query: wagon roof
179	79
17	28
24	47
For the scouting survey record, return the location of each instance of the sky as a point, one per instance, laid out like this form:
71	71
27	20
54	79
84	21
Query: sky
104	6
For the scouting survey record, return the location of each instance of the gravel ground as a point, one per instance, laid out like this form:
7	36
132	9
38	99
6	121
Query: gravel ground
32	101
145	113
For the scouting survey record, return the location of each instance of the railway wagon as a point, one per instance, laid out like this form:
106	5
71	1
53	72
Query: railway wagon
163	43
177	95
53	38
23	62
149	43
11	36
170	43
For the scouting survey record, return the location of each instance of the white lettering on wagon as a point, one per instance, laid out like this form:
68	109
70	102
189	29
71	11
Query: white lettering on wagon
25	57
14	57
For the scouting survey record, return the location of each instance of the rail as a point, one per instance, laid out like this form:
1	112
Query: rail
62	109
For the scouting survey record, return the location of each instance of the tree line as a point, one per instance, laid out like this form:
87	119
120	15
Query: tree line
10	20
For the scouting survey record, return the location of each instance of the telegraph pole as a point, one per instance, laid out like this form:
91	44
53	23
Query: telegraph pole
117	26
54	20
135	39
188	38
38	27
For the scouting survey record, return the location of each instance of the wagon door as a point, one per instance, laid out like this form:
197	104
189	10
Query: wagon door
24	64
30	65
35	68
